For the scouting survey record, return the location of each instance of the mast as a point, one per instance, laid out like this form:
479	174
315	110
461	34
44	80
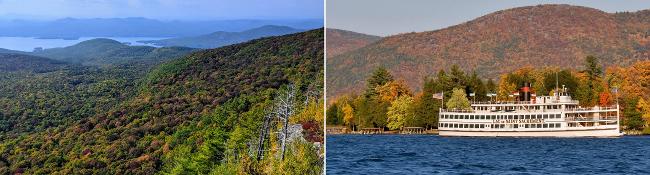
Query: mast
557	88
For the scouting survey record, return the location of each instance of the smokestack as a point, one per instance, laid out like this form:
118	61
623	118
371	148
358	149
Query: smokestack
525	92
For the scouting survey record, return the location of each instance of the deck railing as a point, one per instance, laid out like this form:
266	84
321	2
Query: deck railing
520	102
591	118
591	108
457	110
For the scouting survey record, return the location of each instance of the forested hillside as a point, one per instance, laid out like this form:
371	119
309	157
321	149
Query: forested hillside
222	38
37	96
343	41
19	62
109	52
196	115
78	82
500	42
103	52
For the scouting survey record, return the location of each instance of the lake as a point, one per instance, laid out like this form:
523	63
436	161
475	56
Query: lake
431	154
29	43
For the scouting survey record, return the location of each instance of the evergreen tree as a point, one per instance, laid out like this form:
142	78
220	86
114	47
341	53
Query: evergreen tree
425	107
457	77
379	77
478	88
592	86
491	87
334	116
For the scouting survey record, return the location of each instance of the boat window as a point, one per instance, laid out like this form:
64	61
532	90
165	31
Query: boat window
539	125
545	125
527	126
481	126
557	116
557	125
471	125
515	125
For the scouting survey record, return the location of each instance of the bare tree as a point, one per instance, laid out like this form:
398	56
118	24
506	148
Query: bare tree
264	132
285	108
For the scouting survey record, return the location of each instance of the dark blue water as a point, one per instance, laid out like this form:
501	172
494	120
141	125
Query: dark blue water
429	154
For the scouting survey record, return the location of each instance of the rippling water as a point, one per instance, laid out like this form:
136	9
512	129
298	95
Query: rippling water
429	154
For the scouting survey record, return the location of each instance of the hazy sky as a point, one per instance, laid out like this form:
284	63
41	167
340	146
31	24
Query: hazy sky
387	17
162	9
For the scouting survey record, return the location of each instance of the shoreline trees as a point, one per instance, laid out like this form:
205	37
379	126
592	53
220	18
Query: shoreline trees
389	103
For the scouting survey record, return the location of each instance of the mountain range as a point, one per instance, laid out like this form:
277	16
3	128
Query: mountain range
500	42
223	38
137	27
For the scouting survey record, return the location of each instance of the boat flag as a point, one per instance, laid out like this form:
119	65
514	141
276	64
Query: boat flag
472	94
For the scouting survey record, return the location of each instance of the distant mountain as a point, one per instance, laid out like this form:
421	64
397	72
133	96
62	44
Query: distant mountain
137	27
10	62
342	41
106	51
543	35
218	39
3	50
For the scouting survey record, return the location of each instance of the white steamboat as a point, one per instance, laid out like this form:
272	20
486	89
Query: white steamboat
541	116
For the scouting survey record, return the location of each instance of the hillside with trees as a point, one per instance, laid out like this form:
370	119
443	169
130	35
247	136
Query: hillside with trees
343	41
389	103
110	52
500	42
10	62
219	111
222	38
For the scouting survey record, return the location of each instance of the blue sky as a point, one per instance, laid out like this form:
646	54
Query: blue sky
162	9
387	17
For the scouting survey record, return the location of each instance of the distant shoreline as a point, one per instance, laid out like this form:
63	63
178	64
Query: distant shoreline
57	37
